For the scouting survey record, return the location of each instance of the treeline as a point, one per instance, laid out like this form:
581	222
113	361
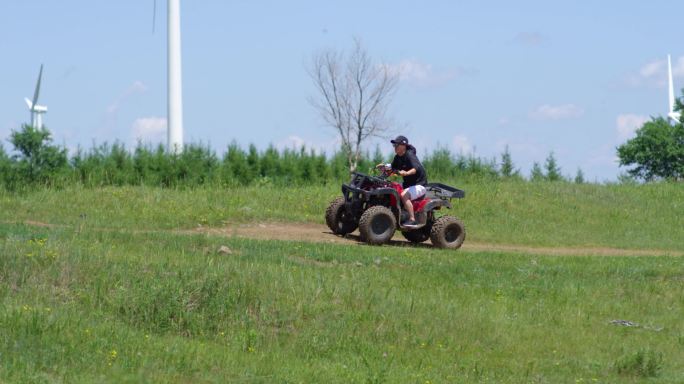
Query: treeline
36	161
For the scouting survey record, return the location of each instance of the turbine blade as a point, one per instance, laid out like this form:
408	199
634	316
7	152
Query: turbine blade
671	98
154	15
37	92
29	103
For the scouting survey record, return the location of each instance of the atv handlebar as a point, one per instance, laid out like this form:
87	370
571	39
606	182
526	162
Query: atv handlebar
357	179
386	170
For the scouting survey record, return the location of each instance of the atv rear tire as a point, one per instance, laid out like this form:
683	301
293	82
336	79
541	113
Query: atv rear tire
377	225
418	235
447	232
338	219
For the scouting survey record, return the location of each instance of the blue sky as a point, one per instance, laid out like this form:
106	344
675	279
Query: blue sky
574	77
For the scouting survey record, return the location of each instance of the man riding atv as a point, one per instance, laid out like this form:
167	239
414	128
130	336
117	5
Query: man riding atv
378	207
407	165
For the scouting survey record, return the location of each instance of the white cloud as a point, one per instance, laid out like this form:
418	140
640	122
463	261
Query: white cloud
652	69
604	155
678	67
627	124
463	145
422	74
529	38
654	73
527	147
136	88
150	129
557	112
296	142
292	142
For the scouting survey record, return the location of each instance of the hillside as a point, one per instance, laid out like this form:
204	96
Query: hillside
130	285
539	214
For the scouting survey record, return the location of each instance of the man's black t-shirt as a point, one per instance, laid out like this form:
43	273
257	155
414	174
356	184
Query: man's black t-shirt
408	162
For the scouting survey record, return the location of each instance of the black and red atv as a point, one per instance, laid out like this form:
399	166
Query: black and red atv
373	205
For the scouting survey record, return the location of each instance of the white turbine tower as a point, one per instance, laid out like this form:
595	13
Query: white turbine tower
675	116
36	110
175	91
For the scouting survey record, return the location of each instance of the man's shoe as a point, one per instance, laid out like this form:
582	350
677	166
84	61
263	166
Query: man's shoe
410	223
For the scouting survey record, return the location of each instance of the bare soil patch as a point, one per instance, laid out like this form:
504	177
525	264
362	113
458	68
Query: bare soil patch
318	233
321	234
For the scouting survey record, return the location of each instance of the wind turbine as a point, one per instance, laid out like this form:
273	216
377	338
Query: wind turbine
36	110
674	116
174	112
175	95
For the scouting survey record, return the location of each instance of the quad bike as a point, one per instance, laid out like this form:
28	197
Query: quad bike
373	205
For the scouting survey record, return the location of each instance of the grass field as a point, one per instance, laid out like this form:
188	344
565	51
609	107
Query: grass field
98	299
537	214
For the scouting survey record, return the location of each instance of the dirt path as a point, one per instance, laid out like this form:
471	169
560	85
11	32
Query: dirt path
321	234
318	233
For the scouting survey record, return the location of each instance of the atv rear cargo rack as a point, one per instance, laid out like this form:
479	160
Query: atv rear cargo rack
442	191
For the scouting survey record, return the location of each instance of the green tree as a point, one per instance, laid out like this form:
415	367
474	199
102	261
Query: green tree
38	160
553	171
579	177
235	168
440	163
657	151
507	167
163	166
5	167
378	157
626	178
270	163
307	166
197	165
481	167
142	164
253	168
536	174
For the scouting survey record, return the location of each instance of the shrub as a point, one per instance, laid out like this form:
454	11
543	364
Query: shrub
643	363
37	160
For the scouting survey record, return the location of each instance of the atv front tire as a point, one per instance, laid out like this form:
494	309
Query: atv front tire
447	232
377	225
337	218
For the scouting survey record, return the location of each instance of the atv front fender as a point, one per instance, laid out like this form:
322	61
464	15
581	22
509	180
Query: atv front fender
348	191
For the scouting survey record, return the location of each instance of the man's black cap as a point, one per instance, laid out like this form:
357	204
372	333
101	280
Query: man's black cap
400	140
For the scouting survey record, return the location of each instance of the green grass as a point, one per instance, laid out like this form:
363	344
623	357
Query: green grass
98	298
537	214
120	306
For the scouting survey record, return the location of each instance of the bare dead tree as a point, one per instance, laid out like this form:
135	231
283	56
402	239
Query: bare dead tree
353	96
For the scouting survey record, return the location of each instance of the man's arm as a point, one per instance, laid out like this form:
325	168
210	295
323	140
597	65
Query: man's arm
410	172
411	160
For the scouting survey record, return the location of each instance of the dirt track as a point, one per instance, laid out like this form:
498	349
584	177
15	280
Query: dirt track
321	234
318	233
